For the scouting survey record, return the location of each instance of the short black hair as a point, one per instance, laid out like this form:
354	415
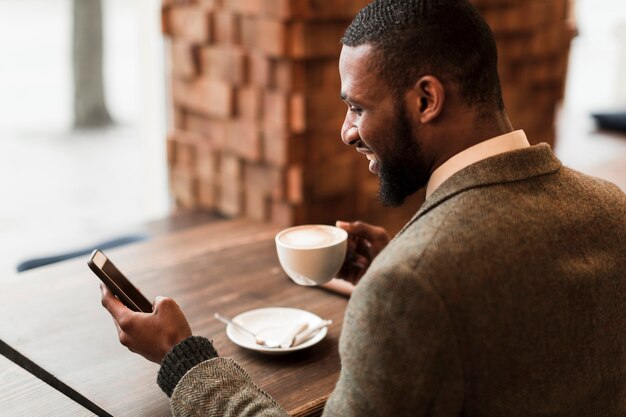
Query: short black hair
448	39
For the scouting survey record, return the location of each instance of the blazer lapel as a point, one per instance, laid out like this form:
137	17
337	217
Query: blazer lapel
507	167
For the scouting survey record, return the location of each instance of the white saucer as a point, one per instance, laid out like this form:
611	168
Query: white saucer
272	323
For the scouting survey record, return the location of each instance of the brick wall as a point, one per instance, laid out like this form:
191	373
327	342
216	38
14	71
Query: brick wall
256	109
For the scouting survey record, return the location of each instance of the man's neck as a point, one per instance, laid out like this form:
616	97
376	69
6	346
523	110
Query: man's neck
507	142
470	130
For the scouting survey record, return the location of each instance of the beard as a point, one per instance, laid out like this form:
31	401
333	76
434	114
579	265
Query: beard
403	170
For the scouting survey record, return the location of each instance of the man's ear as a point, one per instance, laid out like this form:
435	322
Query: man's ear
427	98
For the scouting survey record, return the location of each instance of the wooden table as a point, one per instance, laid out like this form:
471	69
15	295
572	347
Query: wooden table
53	322
22	394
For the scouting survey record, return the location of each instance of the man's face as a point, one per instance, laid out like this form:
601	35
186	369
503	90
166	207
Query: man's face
378	125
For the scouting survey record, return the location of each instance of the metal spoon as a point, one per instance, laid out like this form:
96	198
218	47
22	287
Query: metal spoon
259	340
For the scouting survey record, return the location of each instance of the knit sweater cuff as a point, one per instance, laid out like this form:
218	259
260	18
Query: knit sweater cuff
184	356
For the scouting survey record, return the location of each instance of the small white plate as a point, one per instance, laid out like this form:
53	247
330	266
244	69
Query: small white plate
273	323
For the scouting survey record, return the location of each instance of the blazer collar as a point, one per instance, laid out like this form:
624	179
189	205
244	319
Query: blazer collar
503	168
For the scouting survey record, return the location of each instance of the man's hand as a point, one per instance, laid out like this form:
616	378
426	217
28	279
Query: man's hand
365	242
150	335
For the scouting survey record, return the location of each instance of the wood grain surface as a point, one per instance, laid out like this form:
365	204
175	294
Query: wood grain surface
22	394
53	317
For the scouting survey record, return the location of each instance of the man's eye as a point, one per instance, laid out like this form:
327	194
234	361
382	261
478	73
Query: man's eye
356	110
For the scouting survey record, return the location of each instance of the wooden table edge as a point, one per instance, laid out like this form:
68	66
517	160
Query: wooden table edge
310	409
45	376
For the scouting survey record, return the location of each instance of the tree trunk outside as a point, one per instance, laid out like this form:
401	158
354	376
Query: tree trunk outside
90	108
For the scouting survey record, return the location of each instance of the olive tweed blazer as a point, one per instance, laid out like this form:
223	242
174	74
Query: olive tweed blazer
505	295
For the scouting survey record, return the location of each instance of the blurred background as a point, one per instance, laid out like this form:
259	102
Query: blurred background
65	186
66	183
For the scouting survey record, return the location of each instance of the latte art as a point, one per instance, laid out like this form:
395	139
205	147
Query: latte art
310	237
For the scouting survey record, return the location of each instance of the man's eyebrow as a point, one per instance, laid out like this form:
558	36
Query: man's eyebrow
345	97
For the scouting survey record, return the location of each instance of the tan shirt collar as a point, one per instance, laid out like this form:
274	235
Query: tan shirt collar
488	148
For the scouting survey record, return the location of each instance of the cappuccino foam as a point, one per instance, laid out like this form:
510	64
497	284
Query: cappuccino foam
310	237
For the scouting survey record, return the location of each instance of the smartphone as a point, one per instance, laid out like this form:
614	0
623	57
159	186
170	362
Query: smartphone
119	285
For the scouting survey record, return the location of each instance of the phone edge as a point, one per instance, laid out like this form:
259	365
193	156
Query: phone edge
112	285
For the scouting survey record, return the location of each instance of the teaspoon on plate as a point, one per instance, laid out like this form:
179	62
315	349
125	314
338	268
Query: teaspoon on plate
259	340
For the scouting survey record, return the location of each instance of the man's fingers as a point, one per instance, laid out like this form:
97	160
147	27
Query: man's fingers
360	262
119	329
107	298
354	275
114	306
353	268
363	230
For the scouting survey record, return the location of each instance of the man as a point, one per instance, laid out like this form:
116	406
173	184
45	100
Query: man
503	296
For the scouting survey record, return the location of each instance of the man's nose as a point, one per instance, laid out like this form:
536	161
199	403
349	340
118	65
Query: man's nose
349	131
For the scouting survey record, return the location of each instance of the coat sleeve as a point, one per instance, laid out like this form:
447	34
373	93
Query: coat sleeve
220	387
202	384
398	350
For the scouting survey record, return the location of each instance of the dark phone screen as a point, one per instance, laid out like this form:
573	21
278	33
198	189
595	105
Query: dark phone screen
125	285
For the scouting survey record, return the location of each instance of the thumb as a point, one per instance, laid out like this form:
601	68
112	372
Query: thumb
361	229
165	304
159	303
341	224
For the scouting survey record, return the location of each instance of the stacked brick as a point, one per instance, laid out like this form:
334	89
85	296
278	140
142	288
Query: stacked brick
533	39
256	112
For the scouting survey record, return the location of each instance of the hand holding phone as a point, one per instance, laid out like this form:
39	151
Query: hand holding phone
117	283
148	335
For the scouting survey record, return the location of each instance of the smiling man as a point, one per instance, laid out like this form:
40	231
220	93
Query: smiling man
503	296
418	93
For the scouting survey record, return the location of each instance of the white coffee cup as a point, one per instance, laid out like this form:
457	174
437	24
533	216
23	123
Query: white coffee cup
311	254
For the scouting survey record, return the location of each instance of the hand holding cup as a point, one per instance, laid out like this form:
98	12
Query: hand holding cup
365	242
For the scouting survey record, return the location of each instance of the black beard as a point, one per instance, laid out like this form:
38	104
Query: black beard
403	172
